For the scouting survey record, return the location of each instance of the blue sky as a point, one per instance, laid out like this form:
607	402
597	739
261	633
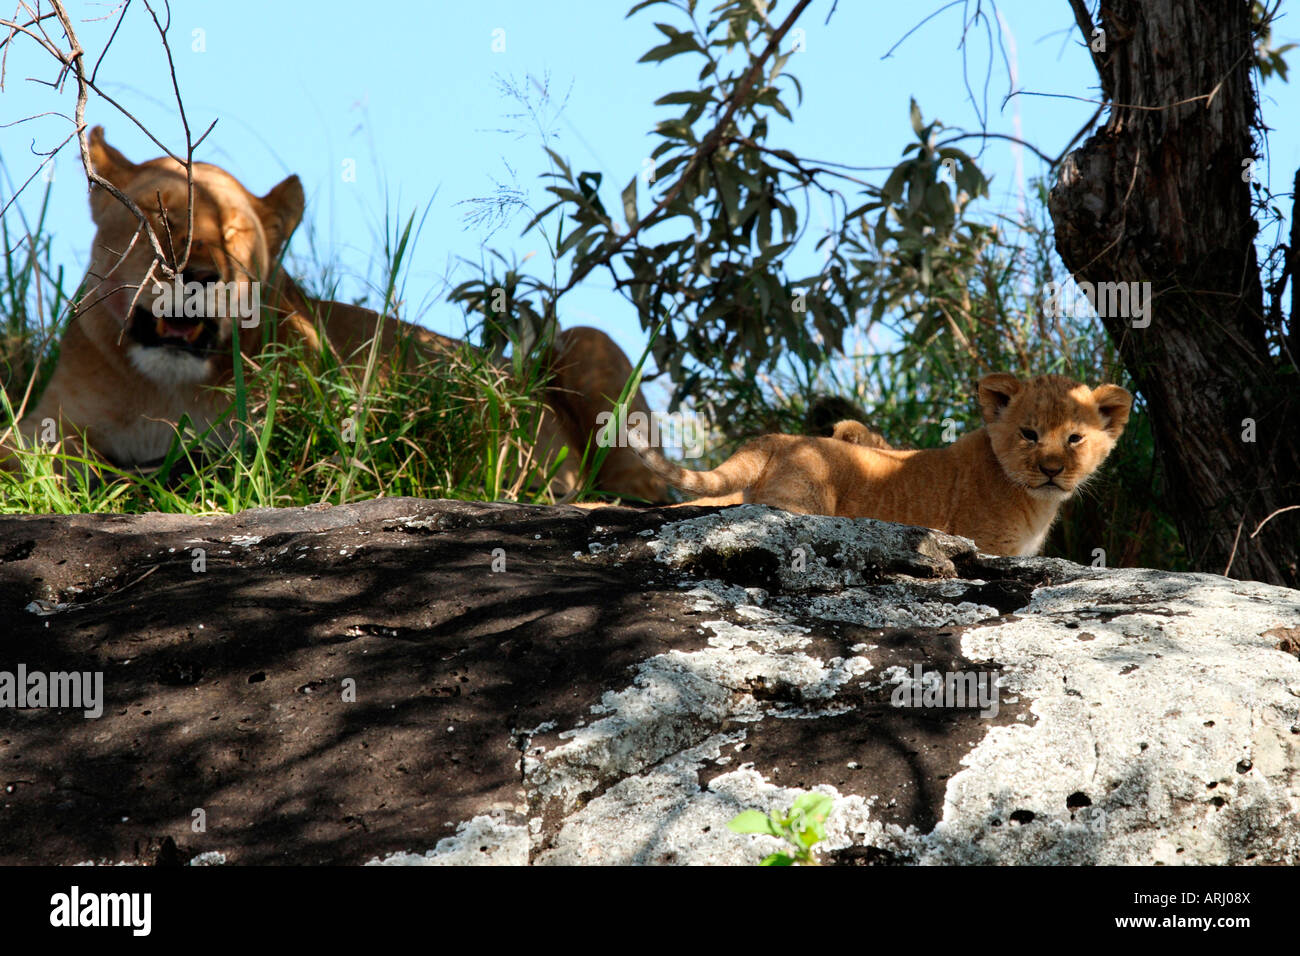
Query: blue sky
412	93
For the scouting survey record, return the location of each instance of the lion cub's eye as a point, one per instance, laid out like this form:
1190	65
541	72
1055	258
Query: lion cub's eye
1075	439
1029	434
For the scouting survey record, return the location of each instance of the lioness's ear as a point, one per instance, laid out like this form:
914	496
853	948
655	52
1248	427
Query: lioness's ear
996	392
1114	404
107	161
112	165
280	212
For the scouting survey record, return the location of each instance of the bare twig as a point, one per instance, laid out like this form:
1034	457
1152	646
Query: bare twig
35	173
73	60
190	143
1078	136
802	167
1013	139
1232	555
165	261
1207	97
104	52
1260	527
903	38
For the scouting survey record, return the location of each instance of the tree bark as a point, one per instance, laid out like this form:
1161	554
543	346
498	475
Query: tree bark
1161	195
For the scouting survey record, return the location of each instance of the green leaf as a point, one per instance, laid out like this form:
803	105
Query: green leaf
798	87
814	805
589	183
789	220
676	128
643	4
892	191
752	821
686	96
559	161
778	859
629	203
730	194
570	241
681	43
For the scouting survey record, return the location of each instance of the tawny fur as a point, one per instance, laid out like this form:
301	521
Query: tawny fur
850	430
856	433
126	398
996	485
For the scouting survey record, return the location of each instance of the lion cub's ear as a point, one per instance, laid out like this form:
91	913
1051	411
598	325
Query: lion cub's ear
280	211
996	392
856	433
110	164
1114	404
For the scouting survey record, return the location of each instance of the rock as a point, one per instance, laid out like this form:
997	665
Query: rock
436	682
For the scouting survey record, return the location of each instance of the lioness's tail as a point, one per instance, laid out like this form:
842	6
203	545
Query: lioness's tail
735	474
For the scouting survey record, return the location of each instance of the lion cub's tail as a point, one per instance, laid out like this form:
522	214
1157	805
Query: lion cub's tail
735	474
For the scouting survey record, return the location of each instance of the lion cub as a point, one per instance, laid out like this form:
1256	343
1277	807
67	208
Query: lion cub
1000	485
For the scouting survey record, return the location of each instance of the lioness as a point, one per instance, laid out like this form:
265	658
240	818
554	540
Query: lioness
126	375
1000	485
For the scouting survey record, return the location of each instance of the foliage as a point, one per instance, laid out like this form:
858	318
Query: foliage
314	429
1269	60
710	265
917	295
803	827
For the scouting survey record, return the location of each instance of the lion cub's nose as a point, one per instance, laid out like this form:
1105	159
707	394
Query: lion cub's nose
1050	468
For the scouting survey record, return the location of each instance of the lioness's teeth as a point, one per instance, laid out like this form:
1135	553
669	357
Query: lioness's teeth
161	327
193	333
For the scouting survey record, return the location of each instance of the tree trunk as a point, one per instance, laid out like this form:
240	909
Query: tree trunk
1161	195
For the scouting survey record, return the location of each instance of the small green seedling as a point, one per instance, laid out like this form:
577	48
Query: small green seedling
803	827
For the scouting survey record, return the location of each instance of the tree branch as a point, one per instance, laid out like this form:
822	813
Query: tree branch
1084	19
707	147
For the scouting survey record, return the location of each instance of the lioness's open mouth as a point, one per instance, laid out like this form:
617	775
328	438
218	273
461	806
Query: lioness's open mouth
188	333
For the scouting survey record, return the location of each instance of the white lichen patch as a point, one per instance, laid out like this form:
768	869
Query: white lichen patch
894	605
663	816
483	841
1162	704
807	552
46	608
209	858
679	698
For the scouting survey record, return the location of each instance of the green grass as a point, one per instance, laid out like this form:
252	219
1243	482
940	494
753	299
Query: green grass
318	431
306	427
